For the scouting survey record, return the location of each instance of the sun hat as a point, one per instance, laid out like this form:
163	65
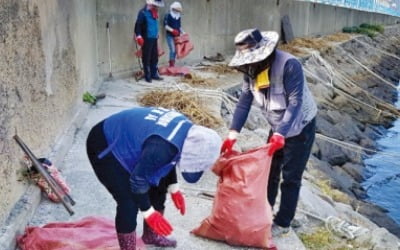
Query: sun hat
253	46
200	150
159	3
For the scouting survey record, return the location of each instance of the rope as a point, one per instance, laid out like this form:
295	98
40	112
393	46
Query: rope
352	98
393	113
355	148
367	69
379	50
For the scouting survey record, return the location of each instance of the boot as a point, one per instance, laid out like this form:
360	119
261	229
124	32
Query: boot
171	63
127	241
149	237
154	72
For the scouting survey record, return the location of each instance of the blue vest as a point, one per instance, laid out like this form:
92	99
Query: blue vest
151	25
126	132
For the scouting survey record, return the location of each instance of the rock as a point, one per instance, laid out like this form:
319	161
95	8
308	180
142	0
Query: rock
312	203
331	153
376	214
381	239
343	179
354	170
326	128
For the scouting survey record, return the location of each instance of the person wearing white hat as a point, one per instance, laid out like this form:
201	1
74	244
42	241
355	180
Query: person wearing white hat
146	36
172	24
135	154
274	79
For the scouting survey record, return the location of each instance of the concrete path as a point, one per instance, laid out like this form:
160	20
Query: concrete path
92	199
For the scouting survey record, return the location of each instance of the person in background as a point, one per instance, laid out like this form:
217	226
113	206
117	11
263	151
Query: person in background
135	155
275	81
172	24
146	36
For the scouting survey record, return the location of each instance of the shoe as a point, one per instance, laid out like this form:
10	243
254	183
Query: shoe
127	241
295	223
149	237
278	231
157	78
171	63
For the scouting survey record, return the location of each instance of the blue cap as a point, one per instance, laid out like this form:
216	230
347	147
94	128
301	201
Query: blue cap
192	177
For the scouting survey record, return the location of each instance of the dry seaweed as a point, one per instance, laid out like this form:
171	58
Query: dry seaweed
184	102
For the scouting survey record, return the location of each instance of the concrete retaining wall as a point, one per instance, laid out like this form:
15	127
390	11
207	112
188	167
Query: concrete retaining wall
48	51
213	25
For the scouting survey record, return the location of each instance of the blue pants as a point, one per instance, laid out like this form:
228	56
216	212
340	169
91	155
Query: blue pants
171	46
291	162
116	180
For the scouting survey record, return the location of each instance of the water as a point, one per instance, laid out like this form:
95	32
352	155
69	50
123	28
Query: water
383	172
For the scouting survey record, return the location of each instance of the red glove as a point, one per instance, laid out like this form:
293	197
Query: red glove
179	201
175	32
227	145
277	142
177	197
140	40
157	222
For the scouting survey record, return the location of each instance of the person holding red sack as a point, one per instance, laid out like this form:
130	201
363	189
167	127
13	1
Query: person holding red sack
135	155
275	81
172	24
146	36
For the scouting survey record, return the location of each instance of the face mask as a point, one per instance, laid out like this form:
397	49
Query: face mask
175	14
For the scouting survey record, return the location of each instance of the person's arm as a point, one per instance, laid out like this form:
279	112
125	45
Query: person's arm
166	25
156	153
243	107
293	81
140	22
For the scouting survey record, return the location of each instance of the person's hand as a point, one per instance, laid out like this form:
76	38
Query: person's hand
277	142
228	143
177	197
140	40
157	222
175	32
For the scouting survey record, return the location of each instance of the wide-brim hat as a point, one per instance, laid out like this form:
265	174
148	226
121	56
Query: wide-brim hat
159	3
253	46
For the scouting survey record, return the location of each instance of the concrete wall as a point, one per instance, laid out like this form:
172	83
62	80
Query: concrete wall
48	51
213	25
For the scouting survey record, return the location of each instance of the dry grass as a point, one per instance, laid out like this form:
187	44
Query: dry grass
323	239
220	69
292	50
295	46
186	103
338	37
335	194
196	80
311	43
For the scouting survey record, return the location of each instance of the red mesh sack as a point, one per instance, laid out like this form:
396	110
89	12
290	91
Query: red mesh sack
241	214
174	71
88	233
183	46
